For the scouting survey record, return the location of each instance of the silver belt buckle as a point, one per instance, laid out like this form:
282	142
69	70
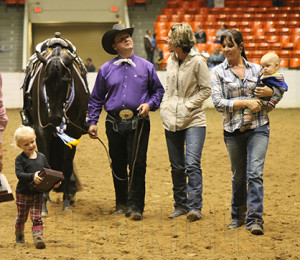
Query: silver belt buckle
126	114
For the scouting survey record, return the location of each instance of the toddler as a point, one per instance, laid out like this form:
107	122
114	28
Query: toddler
272	78
27	166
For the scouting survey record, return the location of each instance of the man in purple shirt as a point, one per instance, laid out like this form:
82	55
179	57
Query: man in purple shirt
128	88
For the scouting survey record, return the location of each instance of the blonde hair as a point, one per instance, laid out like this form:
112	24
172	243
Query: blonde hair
183	36
23	132
271	56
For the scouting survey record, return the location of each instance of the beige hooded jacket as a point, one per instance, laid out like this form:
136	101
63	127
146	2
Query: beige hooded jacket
188	86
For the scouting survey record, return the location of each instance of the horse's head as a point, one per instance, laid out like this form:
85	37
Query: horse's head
56	82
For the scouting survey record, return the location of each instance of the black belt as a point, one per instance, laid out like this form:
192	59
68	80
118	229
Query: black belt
116	115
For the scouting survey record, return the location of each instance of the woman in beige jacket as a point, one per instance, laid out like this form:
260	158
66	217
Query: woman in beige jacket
184	120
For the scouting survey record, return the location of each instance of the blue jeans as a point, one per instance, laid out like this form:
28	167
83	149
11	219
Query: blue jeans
247	152
185	150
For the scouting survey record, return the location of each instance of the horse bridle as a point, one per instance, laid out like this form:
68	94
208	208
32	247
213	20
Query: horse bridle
69	96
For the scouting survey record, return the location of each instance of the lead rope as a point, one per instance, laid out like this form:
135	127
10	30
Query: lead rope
106	150
136	145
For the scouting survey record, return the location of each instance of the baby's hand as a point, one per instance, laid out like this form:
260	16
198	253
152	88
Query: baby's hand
57	185
37	179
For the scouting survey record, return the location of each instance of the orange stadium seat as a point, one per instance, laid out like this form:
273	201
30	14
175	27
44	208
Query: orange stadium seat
294	63
254	3
257	24
257	54
210	18
282	16
259	31
269	24
184	4
266	3
246	31
232	24
168	11
295	54
172	4
234	17
250	10
296	31
187	18
269	17
250	46
284	39
210	32
160	26
248	38
272	38
195	25
222	17
162	18
211	38
175	18
270	31
202	46
244	24
262	46
288	46
199	17
284	54
258	16
208	25
213	46
285	30
284	63
294	16
262	9
275	46
293	24
281	23
254	60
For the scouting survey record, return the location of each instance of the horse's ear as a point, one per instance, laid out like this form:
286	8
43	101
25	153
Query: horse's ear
40	57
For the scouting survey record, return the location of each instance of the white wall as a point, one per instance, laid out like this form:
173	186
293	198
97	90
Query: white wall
13	95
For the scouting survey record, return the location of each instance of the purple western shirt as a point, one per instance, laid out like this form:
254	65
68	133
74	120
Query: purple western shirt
124	86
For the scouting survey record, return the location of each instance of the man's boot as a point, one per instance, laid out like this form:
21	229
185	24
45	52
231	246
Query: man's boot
37	232
20	236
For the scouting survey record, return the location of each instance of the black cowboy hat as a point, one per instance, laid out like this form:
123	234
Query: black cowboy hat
108	38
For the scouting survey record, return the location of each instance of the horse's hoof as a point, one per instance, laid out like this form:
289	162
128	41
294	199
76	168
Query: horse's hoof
44	213
72	200
67	208
67	205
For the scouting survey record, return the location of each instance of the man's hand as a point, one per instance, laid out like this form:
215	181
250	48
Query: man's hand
144	109
93	130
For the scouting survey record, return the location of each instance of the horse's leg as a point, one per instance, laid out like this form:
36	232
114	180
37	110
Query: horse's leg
68	170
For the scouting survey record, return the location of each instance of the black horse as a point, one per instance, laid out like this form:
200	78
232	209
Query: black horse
59	97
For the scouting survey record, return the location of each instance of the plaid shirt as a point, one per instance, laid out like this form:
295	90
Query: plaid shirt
226	87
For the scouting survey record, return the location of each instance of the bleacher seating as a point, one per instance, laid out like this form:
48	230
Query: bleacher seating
264	27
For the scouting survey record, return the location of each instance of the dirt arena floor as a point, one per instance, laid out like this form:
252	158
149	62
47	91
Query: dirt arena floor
91	232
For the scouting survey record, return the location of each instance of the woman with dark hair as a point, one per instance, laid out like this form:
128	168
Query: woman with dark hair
232	85
184	119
